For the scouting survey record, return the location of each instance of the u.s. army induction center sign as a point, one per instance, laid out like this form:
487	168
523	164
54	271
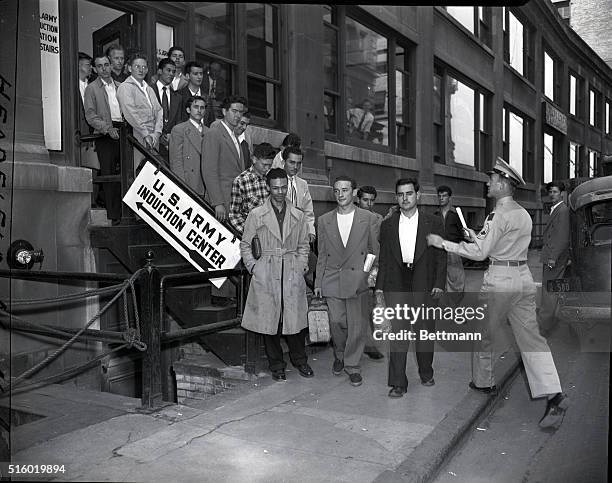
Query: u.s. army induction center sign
183	222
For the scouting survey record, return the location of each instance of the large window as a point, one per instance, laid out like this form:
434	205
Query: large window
607	126
367	78
518	44
518	141
549	156
460	121
594	108
476	19
573	100
552	85
245	64
574	160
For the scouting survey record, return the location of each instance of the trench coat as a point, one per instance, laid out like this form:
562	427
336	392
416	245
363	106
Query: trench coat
287	255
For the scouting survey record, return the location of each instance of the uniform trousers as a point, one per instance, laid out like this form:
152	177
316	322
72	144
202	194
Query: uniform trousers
348	324
509	293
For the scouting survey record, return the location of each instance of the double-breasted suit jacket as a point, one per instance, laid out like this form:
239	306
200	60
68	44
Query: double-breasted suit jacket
186	154
221	164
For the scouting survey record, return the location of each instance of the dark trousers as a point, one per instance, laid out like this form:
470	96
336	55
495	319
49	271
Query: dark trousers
274	351
399	349
108	156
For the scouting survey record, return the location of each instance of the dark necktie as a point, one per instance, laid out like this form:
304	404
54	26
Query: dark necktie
293	193
164	103
246	155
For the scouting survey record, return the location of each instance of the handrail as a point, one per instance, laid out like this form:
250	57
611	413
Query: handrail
160	163
50	275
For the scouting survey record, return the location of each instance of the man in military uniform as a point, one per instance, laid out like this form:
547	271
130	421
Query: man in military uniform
510	292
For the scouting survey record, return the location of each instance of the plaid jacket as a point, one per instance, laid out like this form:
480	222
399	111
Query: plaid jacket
249	190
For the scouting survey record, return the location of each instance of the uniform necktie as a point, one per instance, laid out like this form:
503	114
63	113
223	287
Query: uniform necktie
165	107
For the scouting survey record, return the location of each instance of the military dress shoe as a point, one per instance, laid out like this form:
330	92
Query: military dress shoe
355	379
374	354
279	375
484	390
431	382
397	391
305	370
555	411
338	367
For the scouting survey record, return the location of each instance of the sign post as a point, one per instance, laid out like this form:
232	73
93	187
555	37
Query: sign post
183	221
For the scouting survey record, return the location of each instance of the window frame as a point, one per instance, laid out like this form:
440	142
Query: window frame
340	13
557	73
528	144
528	44
595	104
482	17
482	138
238	64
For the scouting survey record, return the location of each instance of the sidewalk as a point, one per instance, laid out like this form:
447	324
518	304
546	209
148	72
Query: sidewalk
307	430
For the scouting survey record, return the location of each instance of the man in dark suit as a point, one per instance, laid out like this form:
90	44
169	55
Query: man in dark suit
186	146
453	231
409	273
213	85
555	253
346	236
170	101
194	73
222	156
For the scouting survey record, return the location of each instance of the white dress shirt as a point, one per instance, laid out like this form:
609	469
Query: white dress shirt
196	93
345	222
196	125
82	87
160	89
113	104
233	136
552	208
175	82
407	232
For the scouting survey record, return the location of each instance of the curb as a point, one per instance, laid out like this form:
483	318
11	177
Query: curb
428	457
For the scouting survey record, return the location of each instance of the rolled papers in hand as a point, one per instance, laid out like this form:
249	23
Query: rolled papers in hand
367	266
461	219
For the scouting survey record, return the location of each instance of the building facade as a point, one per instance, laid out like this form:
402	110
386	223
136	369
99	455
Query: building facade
378	92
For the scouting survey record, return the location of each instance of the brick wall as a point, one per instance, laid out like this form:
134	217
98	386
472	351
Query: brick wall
592	20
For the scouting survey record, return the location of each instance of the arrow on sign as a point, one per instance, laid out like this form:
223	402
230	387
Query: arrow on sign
195	256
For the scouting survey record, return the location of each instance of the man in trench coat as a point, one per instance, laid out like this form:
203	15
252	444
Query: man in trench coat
276	304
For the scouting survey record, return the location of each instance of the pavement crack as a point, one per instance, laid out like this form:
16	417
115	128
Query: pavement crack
115	451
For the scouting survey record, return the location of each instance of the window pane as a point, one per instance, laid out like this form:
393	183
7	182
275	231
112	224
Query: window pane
329	113
591	107
548	158
592	158
401	109
330	58
262	98
460	126
218	83
504	125
573	160
366	84
549	77
164	39
481	14
573	98
482	113
327	14
607	127
214	27
515	140
516	43
465	16
261	42
437	118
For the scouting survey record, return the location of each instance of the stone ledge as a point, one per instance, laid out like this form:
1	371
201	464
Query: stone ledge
49	177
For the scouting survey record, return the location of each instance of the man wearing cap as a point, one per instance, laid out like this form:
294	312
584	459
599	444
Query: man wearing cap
510	293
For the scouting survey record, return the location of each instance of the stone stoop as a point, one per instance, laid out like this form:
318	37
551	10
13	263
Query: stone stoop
198	379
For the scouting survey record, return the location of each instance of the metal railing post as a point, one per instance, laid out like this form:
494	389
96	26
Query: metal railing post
150	327
127	167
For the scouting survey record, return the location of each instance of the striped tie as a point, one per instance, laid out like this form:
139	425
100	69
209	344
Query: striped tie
293	193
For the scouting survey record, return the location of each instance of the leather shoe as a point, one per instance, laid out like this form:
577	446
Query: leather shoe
305	370
338	367
374	354
279	376
484	390
555	411
431	382
355	379
397	391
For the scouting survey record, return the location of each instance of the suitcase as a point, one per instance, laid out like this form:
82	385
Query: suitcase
318	320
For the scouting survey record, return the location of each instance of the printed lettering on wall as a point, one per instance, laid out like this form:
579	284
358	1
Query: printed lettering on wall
50	67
